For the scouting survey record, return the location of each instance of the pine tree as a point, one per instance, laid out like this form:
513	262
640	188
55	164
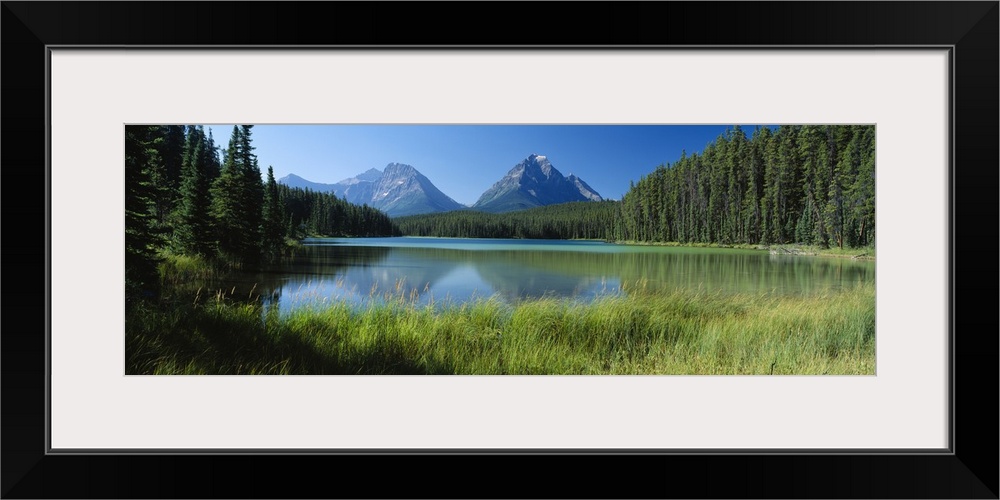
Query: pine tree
142	235
804	228
194	225
210	157
755	185
863	190
253	200
238	198
274	220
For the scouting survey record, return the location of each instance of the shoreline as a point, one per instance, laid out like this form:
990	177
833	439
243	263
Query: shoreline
863	253
791	249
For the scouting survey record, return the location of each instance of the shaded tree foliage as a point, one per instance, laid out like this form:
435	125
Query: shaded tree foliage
273	231
143	235
194	228
238	200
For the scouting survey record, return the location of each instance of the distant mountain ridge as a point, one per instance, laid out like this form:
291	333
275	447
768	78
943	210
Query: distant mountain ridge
400	189
294	181
534	182
397	190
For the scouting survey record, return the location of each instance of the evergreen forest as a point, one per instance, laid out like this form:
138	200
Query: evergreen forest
182	197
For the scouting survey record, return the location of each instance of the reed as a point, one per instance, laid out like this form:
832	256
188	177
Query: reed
682	332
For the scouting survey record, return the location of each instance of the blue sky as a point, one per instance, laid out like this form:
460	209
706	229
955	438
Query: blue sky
463	161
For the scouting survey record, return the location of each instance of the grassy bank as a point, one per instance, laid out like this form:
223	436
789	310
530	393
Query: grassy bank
865	253
678	333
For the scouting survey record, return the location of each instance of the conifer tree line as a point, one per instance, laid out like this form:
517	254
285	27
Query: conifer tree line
574	220
312	213
810	184
181	197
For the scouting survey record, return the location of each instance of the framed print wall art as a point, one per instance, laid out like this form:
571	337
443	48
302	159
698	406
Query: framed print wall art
861	135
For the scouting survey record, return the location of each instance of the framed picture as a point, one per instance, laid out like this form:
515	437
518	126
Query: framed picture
922	74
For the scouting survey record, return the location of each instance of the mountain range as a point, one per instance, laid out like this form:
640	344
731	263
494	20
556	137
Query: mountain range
397	190
400	189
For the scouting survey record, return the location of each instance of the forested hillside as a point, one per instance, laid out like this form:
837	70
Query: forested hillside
804	184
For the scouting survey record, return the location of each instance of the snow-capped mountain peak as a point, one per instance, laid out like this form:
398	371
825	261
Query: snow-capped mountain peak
398	189
534	182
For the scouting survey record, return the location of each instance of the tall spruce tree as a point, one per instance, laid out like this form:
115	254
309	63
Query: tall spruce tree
238	198
211	156
863	190
274	220
143	237
253	199
165	175
193	230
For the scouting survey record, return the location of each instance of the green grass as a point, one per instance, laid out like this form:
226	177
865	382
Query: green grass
178	269
675	333
865	253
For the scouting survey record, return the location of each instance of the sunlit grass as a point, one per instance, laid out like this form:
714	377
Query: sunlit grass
682	332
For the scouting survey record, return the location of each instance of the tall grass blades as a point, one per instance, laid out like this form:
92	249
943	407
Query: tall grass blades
680	332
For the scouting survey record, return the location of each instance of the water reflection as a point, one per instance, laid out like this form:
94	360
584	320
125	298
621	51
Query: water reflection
413	270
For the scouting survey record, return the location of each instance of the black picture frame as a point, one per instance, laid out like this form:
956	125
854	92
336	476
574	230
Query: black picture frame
970	470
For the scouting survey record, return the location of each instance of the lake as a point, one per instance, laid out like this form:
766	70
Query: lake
447	270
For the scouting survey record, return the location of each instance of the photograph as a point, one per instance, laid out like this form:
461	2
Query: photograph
740	249
688	250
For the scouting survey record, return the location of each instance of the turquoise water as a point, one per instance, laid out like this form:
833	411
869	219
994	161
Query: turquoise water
445	270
